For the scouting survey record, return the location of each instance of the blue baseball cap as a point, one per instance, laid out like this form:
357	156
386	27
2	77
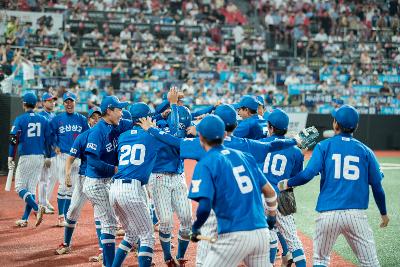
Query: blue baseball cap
111	102
347	116
139	110
93	110
248	101
211	127
126	115
29	98
279	119
69	95
338	101
48	96
266	115
227	113
184	117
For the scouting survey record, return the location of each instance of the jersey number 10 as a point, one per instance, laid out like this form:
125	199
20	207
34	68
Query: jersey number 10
350	171
127	150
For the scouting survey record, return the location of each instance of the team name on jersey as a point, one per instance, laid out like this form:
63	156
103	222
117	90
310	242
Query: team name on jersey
92	146
112	146
70	128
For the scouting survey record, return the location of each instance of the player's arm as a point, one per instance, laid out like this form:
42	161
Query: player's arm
314	167
260	149
242	129
174	121
375	180
12	148
206	110
148	125
74	152
92	152
202	191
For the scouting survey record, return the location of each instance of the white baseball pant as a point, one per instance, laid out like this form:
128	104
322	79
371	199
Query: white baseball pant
209	228
47	182
28	172
64	191
169	193
78	200
251	247
97	191
129	202
287	227
353	224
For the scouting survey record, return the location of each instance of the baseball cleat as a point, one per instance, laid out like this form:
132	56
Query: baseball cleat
98	258
39	216
61	222
47	210
63	249
172	263
182	262
21	223
49	206
287	260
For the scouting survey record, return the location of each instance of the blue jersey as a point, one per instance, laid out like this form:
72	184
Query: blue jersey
347	168
33	132
66	127
137	153
78	150
168	159
233	183
282	164
49	116
101	150
251	128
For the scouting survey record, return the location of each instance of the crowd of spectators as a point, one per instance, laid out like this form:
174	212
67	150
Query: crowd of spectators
334	45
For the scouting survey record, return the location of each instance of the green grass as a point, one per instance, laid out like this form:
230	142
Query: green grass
387	240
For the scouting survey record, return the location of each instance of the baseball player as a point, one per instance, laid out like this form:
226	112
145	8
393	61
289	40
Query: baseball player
251	125
169	189
49	173
137	153
281	165
347	168
32	132
101	166
191	149
229	182
126	115
66	126
78	198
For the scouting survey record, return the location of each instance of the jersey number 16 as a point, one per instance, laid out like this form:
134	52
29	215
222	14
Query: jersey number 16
350	170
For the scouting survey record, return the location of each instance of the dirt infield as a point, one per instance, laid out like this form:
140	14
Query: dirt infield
35	246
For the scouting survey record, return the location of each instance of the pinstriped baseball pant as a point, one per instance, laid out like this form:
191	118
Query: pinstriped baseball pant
47	181
28	172
287	227
252	247
129	201
169	193
353	224
63	190
97	191
78	200
209	228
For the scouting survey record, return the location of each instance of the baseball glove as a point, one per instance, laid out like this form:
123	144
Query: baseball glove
307	137
287	202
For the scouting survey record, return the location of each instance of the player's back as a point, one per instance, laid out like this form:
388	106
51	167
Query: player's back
237	197
281	164
250	128
137	153
345	174
33	131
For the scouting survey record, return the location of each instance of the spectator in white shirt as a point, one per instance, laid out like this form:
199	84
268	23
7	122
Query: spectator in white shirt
292	79
173	38
125	34
72	65
91	83
321	36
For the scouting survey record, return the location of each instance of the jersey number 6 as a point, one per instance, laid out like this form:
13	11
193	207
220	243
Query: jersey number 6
243	181
127	150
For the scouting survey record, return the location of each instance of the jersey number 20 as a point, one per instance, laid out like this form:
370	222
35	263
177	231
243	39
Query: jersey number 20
350	171
33	129
131	151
